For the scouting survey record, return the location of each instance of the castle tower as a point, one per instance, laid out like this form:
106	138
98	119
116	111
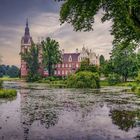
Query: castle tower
26	43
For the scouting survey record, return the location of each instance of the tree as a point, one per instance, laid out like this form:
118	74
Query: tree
124	60
86	66
51	54
102	60
125	15
107	68
31	58
2	72
13	72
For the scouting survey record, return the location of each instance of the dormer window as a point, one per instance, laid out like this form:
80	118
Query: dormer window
70	58
79	59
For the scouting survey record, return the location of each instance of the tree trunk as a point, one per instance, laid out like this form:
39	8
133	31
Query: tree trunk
125	78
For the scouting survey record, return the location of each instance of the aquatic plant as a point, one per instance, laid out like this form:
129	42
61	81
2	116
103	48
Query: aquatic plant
7	93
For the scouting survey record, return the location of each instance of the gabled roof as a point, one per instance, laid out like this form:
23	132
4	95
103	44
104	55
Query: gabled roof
74	57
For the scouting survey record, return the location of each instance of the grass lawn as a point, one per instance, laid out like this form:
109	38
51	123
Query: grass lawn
6	78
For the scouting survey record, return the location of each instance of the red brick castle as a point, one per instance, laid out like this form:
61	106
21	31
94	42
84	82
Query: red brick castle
70	61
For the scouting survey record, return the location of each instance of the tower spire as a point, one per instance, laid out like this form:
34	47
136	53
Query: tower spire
27	32
27	22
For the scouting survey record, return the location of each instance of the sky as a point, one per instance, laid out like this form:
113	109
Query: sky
43	16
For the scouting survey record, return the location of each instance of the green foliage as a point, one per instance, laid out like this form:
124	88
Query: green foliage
13	72
124	14
106	68
31	58
113	79
104	83
86	66
124	60
102	60
83	79
138	78
33	77
7	93
51	54
133	88
1	82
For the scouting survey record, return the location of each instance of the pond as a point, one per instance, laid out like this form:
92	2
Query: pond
42	113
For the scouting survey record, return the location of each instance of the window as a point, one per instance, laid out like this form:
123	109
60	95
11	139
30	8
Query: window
77	65
66	65
58	65
69	65
66	72
58	72
55	72
62	65
70	58
62	72
79	59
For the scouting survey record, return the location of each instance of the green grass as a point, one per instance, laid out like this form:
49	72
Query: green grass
104	83
6	78
7	93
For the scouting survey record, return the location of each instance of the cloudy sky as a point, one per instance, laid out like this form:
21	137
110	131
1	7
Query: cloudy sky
43	18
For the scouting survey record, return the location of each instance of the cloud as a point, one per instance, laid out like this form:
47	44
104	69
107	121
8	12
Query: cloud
44	24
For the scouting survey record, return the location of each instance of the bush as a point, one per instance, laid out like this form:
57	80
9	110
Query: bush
83	79
33	78
133	89
1	82
113	79
7	93
138	78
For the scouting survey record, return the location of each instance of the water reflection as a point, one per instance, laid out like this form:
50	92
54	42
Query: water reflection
125	120
67	114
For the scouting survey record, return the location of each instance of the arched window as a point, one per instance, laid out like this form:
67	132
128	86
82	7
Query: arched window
70	58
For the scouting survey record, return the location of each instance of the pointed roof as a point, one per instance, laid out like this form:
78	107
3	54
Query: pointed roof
27	38
27	31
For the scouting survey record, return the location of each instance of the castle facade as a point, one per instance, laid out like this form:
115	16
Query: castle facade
70	61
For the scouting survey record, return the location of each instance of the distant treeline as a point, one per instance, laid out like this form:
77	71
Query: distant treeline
11	71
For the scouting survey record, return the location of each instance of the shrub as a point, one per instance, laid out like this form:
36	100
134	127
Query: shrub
7	93
1	82
83	79
33	78
133	89
113	79
138	78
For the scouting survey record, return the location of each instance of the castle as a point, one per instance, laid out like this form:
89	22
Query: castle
70	61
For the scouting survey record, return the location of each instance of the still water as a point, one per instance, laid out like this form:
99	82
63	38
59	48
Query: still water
41	113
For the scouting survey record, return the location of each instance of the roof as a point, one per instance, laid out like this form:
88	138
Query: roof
26	39
74	56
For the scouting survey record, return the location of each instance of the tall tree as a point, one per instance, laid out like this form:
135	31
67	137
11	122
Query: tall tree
31	58
124	60
125	15
51	54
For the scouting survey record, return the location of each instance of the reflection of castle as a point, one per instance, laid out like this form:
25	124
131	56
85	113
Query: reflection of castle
70	61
